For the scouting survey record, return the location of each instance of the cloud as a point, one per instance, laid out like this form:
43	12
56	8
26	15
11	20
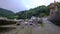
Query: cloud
34	3
14	5
19	5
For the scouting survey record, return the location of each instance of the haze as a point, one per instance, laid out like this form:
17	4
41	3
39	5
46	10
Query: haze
20	5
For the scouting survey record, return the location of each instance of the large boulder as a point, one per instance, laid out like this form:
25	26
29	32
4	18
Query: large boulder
55	18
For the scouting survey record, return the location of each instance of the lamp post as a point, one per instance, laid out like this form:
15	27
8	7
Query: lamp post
26	14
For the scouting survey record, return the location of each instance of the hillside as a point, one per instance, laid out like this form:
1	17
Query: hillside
6	13
37	11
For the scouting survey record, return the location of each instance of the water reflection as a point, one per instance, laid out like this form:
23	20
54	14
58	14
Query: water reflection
6	29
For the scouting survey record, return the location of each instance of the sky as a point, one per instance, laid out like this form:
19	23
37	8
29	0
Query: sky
20	5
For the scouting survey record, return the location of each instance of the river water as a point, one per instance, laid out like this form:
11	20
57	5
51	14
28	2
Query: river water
48	28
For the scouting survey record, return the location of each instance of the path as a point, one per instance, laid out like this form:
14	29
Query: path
48	28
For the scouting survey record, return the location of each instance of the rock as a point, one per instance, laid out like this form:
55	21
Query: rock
55	18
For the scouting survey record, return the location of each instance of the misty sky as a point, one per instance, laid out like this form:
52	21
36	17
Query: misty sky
19	5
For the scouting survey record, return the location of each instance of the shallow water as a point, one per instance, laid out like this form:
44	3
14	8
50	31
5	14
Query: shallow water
5	29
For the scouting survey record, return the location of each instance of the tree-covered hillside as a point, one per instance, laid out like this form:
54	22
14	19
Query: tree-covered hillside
6	13
37	11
